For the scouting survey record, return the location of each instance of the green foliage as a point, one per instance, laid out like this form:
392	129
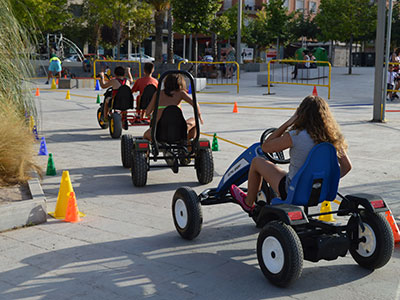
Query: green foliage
302	26
338	20
47	15
221	26
270	24
395	35
193	17
141	24
16	99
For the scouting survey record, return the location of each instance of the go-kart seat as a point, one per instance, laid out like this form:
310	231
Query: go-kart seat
172	127
123	100
317	180
148	93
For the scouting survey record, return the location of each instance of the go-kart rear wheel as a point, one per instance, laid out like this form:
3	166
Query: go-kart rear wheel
204	165
376	246
126	150
115	125
100	119
279	253
186	211
139	168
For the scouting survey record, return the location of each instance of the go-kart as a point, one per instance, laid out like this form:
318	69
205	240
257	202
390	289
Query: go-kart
290	232
119	116
168	142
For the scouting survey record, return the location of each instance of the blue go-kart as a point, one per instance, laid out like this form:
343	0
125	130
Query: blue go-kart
290	233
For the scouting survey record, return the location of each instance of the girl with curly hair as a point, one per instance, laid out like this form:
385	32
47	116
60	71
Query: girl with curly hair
311	124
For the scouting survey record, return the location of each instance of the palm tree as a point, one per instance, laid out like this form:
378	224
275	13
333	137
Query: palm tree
160	8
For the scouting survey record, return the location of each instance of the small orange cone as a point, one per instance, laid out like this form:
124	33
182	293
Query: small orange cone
57	81
72	214
314	92
235	108
65	76
37	92
393	225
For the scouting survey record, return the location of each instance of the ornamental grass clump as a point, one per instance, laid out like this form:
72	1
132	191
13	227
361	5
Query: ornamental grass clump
17	143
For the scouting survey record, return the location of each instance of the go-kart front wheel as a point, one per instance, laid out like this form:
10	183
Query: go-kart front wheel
186	211
115	125
139	168
376	242
126	150
204	165
100	119
279	253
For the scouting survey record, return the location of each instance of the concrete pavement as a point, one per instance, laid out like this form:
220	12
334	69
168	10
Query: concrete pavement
127	247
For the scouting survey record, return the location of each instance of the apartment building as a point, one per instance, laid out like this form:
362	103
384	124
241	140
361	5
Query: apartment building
252	6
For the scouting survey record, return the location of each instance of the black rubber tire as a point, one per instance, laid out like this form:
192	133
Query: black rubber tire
102	124
379	241
126	150
204	165
139	168
276	242
279	157
115	125
187	214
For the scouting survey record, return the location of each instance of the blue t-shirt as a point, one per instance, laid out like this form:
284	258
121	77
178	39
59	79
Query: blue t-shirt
302	144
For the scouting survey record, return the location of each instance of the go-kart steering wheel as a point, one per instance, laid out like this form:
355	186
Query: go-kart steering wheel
276	157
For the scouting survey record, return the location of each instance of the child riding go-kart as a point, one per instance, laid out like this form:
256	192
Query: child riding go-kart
119	106
290	232
169	141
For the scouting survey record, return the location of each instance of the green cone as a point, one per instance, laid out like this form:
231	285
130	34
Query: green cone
215	146
51	169
98	99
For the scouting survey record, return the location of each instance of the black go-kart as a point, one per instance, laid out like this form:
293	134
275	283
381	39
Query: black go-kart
169	143
290	231
121	115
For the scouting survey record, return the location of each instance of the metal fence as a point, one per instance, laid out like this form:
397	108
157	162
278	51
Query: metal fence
299	72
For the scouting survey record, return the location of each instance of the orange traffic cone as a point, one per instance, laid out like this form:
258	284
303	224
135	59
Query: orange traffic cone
314	92
37	92
72	214
57	81
65	76
393	225
235	108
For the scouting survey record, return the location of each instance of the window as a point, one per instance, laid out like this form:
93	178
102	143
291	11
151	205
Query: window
227	4
299	5
286	3
313	7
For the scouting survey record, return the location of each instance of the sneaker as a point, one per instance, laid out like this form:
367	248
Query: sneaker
240	197
47	82
395	96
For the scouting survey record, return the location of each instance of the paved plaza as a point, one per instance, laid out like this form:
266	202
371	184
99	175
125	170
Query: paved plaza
126	247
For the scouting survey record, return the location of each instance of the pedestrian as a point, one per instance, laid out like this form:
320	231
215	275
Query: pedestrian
54	67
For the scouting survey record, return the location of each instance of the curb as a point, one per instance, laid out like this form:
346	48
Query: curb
26	212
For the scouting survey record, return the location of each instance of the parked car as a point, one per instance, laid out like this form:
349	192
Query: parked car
140	57
176	58
73	57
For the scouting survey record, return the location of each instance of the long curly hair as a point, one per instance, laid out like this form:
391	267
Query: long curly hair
314	116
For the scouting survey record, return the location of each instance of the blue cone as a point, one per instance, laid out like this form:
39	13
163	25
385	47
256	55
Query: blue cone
43	147
97	85
190	89
35	133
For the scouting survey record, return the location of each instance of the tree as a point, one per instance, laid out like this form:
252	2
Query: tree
194	17
270	25
346	21
47	16
395	35
141	24
220	27
302	26
160	8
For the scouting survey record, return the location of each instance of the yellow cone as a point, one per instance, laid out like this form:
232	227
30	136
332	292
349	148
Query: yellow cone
326	207
68	97
63	196
31	123
53	84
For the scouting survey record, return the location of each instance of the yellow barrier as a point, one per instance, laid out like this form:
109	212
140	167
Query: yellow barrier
217	63
108	63
289	62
